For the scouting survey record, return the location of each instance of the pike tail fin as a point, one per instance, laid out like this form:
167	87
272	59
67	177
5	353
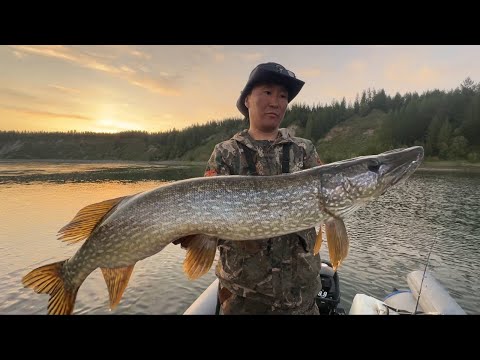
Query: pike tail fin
48	279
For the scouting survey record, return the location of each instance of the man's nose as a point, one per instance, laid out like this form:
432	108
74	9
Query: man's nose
274	101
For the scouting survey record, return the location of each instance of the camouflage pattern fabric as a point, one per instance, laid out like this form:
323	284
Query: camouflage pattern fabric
269	276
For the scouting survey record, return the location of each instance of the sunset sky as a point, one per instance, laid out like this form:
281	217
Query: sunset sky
107	88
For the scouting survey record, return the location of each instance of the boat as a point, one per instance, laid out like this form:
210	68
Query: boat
425	296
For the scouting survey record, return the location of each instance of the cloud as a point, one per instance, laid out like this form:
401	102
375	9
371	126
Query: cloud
125	49
357	67
19	54
407	72
27	111
252	56
127	69
219	57
213	52
163	84
153	85
210	51
309	73
140	54
64	89
17	94
52	98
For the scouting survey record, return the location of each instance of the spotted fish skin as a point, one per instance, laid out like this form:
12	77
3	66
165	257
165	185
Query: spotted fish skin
233	207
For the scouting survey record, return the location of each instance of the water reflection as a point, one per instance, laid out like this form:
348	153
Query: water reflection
60	172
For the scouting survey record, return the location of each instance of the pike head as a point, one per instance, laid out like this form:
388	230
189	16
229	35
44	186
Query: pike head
349	184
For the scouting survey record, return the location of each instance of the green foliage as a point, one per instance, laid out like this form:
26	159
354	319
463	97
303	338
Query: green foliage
473	157
431	147
459	147
355	137
443	141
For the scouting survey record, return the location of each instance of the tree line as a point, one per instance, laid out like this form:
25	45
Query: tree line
446	123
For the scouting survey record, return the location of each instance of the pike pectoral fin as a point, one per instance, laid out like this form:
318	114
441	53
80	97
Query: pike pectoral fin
86	219
200	255
117	281
337	240
184	241
318	241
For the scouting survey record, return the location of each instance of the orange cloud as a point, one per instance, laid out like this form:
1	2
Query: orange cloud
17	94
139	54
64	89
163	84
27	111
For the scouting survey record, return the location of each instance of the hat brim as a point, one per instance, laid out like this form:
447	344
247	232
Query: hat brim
293	86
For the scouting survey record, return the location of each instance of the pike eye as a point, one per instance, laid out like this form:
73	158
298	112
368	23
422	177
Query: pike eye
373	166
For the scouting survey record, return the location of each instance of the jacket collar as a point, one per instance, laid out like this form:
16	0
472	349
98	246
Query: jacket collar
245	138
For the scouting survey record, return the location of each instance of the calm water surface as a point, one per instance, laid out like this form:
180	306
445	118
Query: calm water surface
388	238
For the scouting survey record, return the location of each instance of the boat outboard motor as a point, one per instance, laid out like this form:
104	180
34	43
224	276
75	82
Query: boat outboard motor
329	296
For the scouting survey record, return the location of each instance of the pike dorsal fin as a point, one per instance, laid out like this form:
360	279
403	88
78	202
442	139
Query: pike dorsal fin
337	240
86	219
117	281
200	255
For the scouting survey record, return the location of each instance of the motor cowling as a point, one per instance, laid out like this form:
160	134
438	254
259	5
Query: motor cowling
328	297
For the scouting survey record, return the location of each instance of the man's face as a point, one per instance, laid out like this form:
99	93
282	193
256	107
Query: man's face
266	105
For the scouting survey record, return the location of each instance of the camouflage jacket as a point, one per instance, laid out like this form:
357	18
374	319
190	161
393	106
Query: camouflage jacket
281	272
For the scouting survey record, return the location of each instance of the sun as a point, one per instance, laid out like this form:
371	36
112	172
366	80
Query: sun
109	125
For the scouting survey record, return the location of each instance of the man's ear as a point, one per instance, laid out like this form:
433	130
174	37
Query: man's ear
246	101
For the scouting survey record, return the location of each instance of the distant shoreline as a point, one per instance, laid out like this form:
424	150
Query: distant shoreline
426	166
444	166
104	161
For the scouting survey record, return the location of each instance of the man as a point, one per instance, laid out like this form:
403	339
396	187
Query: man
278	275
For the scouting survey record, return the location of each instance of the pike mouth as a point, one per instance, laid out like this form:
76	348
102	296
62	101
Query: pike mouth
405	164
402	173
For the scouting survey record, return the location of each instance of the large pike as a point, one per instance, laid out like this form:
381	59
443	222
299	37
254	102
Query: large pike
119	232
